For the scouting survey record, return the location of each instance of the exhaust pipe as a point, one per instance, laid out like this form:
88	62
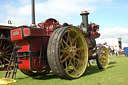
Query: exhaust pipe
84	15
33	13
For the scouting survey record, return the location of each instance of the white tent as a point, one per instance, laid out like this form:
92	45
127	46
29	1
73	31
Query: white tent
111	42
124	45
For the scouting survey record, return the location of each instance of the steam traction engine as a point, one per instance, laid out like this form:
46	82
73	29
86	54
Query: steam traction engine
64	49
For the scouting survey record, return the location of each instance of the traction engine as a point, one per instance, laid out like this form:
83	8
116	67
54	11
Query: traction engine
6	45
64	49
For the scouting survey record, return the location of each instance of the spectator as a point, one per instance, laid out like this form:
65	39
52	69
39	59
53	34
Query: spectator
109	50
116	50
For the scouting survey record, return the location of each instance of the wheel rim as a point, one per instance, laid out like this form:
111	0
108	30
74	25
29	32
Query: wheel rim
6	47
103	57
73	52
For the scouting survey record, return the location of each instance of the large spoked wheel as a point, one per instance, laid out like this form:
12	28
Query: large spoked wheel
67	52
102	58
6	47
36	73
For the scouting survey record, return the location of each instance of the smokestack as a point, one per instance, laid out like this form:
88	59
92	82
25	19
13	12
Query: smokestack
84	15
33	13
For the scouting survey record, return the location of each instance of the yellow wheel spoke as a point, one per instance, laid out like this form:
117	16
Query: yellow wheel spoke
7	47
75	39
61	56
101	52
64	59
1	64
78	60
7	56
68	36
64	50
100	55
70	41
66	66
77	65
69	65
4	46
6	59
73	67
62	44
8	53
74	61
101	59
81	48
77	55
65	43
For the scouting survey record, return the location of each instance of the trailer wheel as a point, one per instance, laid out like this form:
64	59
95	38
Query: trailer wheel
6	47
102	57
67	52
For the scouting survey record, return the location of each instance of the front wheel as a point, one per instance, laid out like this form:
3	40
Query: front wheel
102	58
67	52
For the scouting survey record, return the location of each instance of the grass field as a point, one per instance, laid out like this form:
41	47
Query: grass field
115	74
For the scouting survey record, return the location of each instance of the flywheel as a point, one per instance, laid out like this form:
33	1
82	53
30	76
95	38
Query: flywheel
67	52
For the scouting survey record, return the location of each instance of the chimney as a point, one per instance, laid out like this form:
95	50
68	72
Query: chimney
84	15
33	14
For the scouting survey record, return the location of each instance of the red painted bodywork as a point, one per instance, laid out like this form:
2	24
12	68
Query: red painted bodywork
17	37
25	63
49	25
93	28
33	40
24	44
26	32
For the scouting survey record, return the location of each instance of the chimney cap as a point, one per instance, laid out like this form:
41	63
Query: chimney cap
84	13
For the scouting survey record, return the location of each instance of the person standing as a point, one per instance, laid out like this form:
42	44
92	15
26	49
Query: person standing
116	51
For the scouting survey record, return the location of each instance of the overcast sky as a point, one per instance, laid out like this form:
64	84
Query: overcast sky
111	15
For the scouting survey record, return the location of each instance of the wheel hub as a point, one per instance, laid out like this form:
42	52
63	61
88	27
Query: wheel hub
1	54
72	51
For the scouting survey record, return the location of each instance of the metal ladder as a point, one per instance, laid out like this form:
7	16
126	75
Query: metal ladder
13	65
11	69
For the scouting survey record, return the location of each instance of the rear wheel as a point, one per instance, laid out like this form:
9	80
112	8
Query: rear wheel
36	73
102	57
67	52
6	47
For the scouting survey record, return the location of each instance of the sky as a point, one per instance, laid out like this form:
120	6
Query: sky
111	15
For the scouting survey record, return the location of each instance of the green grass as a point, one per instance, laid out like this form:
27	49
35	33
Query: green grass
115	74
